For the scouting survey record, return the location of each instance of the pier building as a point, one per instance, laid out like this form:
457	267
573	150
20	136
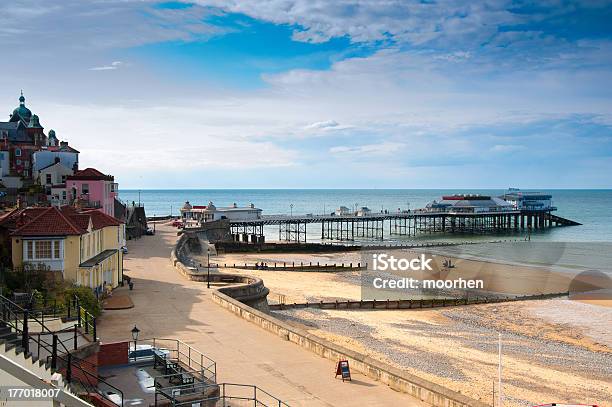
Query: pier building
206	213
466	203
529	201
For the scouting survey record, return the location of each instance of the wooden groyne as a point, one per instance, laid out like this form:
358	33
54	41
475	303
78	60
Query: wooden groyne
412	304
312	267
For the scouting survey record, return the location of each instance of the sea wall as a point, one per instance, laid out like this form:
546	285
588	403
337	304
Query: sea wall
429	392
246	289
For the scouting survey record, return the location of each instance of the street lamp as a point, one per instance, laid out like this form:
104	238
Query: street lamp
291	206
135	332
208	267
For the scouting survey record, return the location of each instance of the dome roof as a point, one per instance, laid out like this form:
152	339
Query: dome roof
52	134
187	206
211	207
34	122
21	112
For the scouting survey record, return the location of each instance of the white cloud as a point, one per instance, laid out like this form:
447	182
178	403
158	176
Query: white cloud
113	66
369	150
323	125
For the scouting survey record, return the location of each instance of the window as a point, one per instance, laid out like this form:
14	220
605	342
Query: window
48	179
64	195
43	249
85	188
56	249
63	179
17	152
30	249
18	162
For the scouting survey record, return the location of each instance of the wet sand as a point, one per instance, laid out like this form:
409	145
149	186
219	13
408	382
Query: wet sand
553	350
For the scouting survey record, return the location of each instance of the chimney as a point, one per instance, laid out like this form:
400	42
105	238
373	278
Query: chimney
63	144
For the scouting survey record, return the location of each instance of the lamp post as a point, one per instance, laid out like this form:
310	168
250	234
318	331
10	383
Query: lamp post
154	223
291	206
208	268
135	332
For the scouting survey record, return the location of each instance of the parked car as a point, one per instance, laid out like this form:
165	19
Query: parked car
150	232
177	224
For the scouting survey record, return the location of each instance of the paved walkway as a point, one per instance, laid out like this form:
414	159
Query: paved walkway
166	305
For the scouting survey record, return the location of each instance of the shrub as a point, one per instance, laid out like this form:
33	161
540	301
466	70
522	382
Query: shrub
87	298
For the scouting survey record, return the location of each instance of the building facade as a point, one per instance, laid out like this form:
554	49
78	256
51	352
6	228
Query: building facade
200	213
25	148
92	189
84	247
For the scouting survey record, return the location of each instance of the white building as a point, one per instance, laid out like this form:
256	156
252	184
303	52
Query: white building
529	201
364	211
68	156
53	174
469	203
199	213
343	211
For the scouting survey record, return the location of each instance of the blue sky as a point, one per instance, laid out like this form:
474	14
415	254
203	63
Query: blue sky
321	94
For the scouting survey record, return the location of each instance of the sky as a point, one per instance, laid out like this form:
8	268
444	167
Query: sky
320	94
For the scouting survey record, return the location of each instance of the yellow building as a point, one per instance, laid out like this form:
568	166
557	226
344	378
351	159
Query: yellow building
84	246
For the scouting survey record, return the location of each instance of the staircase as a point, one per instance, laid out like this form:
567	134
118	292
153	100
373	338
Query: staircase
41	358
20	369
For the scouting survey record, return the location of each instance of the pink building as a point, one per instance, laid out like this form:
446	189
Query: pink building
90	188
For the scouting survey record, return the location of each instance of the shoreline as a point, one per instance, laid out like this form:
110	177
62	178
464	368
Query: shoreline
454	345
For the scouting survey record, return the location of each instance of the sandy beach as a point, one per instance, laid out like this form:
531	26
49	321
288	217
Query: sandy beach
556	350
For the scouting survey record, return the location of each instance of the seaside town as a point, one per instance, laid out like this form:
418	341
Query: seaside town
104	304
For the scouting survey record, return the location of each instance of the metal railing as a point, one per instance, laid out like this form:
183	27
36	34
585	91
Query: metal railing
193	360
234	393
19	320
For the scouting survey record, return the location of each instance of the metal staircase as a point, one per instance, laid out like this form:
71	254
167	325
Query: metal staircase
28	342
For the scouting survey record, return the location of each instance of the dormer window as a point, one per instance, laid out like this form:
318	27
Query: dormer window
17	152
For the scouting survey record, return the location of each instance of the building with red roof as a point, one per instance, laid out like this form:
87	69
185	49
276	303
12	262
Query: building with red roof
92	189
83	246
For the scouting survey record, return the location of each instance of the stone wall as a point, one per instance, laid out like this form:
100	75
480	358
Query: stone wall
431	393
249	290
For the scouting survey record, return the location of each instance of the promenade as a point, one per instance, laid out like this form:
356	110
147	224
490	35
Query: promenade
166	305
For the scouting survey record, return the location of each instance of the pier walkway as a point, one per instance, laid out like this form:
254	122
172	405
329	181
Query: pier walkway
167	305
408	223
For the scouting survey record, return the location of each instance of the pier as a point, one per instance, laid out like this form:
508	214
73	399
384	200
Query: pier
411	223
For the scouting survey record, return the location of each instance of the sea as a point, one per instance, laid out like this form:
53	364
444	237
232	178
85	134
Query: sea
587	246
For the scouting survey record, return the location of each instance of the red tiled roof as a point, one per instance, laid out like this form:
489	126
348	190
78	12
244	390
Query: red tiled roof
18	217
102	220
66	221
90	174
50	222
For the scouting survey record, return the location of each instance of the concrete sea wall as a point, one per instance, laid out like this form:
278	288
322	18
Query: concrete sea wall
246	289
429	392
